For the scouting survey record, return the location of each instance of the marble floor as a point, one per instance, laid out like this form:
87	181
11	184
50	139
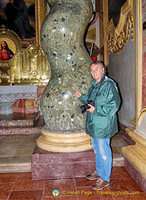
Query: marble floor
16	179
20	186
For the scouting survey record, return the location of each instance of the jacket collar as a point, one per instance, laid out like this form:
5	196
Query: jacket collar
97	84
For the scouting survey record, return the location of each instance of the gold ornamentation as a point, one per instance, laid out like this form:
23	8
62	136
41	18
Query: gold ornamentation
28	66
118	36
33	67
40	12
13	42
141	114
140	111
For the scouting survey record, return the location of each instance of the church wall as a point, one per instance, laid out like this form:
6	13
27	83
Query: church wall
122	70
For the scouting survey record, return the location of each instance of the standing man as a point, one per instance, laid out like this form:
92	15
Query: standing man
101	121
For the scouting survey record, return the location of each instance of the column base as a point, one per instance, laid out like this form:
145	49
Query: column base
137	176
135	158
64	142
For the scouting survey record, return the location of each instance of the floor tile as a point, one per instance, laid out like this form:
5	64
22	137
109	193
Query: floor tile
120	172
80	182
124	185
8	178
61	185
141	196
86	193
98	197
28	185
62	198
25	176
5	190
26	195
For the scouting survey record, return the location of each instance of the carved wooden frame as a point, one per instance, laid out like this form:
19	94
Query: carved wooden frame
118	36
40	12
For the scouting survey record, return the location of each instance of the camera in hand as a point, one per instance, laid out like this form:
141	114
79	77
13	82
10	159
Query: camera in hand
86	107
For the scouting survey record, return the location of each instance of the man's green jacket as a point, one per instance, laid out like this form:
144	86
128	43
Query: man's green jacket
103	122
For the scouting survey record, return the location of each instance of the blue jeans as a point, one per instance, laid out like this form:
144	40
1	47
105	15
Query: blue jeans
103	156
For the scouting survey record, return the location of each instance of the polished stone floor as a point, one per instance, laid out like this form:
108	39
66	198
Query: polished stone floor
20	186
16	181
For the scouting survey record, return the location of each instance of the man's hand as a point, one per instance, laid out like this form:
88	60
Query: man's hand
77	94
91	109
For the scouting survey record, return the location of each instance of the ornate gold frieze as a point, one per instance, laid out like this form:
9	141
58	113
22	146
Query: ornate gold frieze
31	67
118	36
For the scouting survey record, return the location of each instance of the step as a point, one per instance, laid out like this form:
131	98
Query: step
20	131
20	124
22	164
18	120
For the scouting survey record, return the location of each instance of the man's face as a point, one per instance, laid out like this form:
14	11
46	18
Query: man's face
97	72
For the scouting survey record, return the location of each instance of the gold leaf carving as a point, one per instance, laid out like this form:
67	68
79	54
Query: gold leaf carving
117	37
28	66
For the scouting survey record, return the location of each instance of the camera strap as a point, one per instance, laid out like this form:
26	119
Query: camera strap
97	90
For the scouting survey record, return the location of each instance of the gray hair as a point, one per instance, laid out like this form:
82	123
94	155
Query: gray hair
98	62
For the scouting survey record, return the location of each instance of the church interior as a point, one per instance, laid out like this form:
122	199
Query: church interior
46	49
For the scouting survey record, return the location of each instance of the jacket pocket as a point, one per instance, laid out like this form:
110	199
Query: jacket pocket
100	122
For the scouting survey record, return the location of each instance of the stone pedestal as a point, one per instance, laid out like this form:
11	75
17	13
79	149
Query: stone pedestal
49	165
135	158
53	165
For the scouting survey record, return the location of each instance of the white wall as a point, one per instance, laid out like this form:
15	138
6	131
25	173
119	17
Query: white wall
122	70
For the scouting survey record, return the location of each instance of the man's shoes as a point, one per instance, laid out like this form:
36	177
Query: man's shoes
100	184
93	176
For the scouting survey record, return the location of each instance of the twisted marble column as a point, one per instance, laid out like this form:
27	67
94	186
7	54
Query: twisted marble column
62	41
62	37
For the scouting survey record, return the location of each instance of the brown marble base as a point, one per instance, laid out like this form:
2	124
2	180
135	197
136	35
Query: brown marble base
137	176
52	165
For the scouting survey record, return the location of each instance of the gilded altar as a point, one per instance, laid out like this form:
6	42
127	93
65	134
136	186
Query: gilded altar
28	66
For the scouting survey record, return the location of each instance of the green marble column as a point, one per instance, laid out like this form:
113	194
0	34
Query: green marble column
62	37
